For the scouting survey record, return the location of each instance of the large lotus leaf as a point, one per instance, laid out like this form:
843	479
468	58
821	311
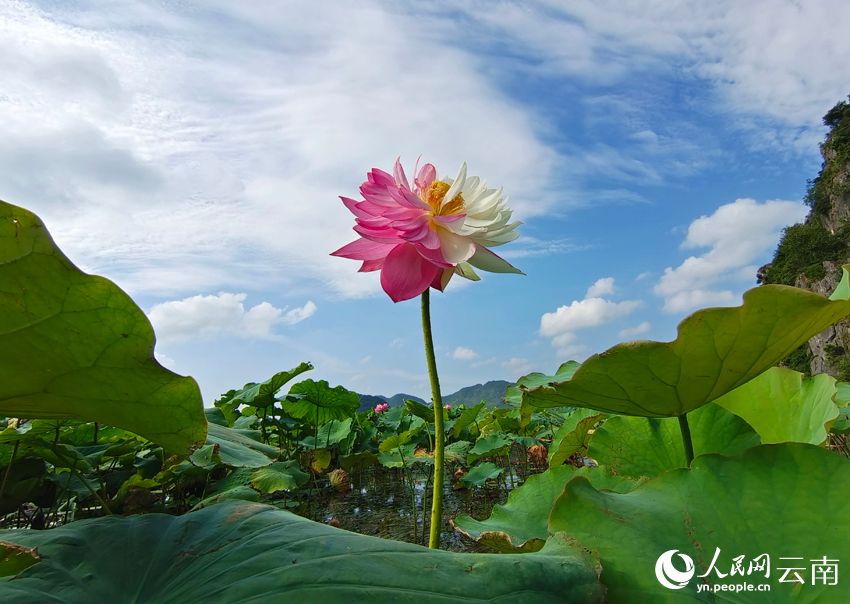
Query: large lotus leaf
235	552
787	500
520	526
263	395
513	394
494	444
321	403
648	446
280	476
238	448
573	436
482	473
784	406
466	418
75	346
14	559
718	349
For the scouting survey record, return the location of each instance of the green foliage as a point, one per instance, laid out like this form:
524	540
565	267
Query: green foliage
782	500
15	559
75	346
799	360
263	394
573	436
783	406
320	403
482	473
802	250
238	553
519	526
646	446
717	350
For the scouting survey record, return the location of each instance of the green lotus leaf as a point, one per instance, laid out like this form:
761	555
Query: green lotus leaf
456	451
786	500
329	434
242	494
398	456
717	350
482	473
573	436
74	346
238	448
321	403
493	444
397	440
280	476
648	446
520	526
784	406
357	461
466	418
263	395
205	456
14	559
235	552
425	412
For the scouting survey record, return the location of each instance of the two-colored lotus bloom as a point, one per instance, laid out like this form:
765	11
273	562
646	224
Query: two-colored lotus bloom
420	236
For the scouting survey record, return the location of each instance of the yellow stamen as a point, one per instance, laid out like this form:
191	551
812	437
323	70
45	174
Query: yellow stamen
435	196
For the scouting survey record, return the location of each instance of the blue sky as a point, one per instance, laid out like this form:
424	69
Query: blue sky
194	154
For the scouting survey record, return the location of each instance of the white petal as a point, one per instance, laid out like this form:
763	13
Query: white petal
455	248
457	185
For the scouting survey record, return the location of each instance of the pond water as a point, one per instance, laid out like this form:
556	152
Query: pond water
379	503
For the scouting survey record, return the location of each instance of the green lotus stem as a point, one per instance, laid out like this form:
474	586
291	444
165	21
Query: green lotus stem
85	482
9	469
439	428
686	438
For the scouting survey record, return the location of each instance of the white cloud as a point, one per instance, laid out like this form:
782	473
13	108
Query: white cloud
737	233
397	343
635	331
165	360
209	316
575	352
465	354
602	287
189	153
699	298
517	367
779	62
591	312
643	276
489	361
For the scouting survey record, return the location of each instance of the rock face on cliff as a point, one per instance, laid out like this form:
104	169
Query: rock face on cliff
810	254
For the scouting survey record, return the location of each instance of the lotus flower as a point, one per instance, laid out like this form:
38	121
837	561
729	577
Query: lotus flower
447	406
421	236
381	407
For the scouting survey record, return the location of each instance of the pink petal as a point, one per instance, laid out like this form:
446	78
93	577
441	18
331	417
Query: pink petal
434	256
400	177
448	219
406	274
427	175
381	178
363	249
351	204
385	235
371	265
378	194
442	279
401	213
406	198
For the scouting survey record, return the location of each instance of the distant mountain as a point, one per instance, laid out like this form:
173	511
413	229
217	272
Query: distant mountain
491	392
